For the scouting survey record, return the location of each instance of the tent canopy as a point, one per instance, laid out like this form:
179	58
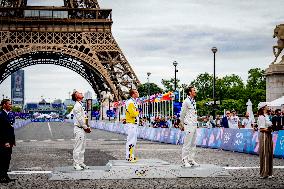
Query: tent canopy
277	102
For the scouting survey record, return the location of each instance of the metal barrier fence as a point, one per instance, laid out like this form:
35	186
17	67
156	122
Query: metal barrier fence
21	123
236	140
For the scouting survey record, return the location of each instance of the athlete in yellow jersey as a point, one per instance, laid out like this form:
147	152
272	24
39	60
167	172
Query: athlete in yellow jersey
132	116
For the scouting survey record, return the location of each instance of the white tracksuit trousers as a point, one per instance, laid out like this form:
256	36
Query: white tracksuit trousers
79	146
189	144
132	132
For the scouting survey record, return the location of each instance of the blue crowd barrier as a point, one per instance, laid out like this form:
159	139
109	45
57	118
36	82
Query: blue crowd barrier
236	140
21	123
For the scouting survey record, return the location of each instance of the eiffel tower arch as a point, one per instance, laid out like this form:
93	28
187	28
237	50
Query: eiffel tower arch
76	36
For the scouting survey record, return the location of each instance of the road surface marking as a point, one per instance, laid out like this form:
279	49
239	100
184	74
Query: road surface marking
49	128
238	168
49	172
28	172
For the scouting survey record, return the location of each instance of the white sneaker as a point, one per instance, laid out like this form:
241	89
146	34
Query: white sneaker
77	167
185	163
84	166
193	163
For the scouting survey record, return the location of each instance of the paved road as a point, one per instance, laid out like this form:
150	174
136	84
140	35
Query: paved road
43	146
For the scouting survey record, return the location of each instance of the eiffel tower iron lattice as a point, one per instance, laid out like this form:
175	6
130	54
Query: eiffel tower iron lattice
76	36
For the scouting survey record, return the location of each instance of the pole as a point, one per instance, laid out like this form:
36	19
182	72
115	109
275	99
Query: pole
119	108
109	109
182	93
102	110
214	50
214	82
175	77
148	100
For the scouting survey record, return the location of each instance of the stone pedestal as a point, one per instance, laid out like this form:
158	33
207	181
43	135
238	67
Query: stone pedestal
144	168
274	81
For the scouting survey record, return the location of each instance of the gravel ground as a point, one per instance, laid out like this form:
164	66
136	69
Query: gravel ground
38	149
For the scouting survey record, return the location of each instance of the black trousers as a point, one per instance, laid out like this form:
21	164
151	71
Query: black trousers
5	158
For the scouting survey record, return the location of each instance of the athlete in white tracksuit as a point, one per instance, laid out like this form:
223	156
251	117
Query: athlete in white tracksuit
188	118
80	130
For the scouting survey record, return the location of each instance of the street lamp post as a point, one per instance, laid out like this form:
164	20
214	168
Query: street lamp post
214	50
118	107
175	65
148	74
175	87
109	108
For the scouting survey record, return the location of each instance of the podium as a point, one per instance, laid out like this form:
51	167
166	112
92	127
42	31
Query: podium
143	168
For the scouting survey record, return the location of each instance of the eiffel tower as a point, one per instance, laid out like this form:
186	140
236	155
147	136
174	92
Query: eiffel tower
76	36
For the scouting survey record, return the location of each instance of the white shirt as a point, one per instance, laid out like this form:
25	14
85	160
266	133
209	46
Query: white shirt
263	122
188	113
79	115
247	123
234	122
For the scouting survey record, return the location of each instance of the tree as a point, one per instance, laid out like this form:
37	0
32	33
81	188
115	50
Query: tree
69	109
256	87
96	106
143	89
232	87
204	86
256	79
169	84
16	109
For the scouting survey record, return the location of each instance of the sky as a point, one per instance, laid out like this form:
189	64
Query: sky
154	33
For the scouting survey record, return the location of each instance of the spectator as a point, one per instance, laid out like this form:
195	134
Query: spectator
247	122
169	122
218	121
177	123
225	120
277	120
234	120
265	143
212	122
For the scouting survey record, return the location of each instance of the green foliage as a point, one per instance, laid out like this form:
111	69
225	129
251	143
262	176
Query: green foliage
96	106
16	109
256	79
69	109
256	87
231	91
229	104
204	85
232	87
202	108
143	89
169	84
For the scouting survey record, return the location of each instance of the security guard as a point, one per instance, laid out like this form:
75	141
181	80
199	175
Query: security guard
132	120
7	140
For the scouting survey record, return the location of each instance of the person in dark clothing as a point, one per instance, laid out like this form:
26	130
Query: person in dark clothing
277	121
7	139
225	120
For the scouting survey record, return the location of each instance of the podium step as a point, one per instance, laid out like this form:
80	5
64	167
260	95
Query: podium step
144	168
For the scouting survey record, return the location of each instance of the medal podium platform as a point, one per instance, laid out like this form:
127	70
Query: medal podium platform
143	168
